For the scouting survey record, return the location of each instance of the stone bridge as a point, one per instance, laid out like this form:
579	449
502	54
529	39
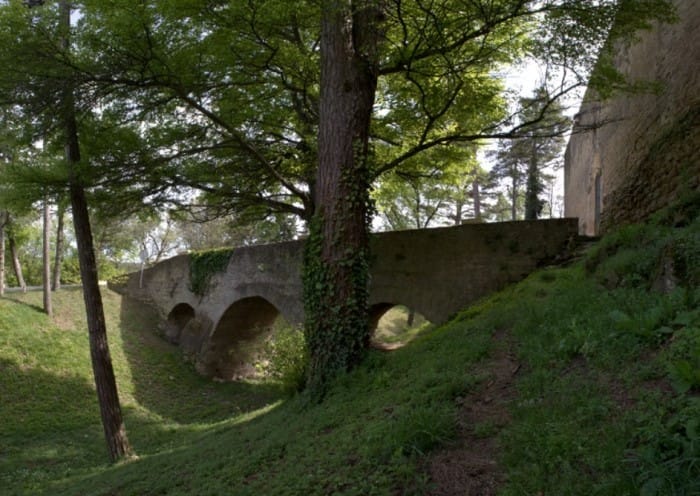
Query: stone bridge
435	272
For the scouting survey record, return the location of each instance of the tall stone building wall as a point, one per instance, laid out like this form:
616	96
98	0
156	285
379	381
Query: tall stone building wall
633	154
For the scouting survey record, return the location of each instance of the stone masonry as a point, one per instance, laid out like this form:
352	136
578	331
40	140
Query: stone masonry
634	154
435	272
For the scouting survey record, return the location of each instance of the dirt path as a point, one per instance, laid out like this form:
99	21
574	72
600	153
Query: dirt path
470	466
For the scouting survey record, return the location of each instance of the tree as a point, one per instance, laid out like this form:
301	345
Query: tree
17	235
59	248
199	228
105	382
3	222
336	263
46	257
337	252
523	162
43	85
437	190
236	85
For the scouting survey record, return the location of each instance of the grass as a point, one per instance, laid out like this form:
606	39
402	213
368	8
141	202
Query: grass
394	328
607	395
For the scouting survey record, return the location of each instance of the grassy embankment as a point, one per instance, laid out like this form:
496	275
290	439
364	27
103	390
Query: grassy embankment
605	396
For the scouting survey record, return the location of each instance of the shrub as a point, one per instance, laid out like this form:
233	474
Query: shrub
285	358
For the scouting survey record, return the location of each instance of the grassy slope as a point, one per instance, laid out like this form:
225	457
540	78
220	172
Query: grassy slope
605	405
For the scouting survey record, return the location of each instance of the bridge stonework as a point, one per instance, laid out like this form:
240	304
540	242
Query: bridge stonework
435	272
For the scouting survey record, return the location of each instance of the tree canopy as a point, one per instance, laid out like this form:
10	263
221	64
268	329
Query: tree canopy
229	105
223	96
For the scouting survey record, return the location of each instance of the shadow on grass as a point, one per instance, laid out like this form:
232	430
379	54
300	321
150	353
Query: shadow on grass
169	386
196	463
35	401
48	420
24	303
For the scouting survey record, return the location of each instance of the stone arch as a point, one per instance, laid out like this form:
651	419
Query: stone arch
239	336
398	323
376	312
178	319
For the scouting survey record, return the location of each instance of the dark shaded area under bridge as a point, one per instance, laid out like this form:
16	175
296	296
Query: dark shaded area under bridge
435	272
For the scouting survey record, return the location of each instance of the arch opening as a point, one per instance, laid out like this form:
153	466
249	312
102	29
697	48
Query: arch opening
239	338
178	318
394	325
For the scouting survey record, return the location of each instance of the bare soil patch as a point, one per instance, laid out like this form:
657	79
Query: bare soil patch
470	466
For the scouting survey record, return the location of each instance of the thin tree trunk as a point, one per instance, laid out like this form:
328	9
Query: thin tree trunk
105	382
58	259
532	200
459	208
3	220
337	254
410	318
514	199
476	196
46	259
416	212
14	254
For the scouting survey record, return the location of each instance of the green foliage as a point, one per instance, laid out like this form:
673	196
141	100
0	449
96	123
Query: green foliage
682	212
638	254
51	423
604	402
609	352
420	429
285	358
666	459
393	327
523	164
204	265
683	354
250	73
367	438
419	195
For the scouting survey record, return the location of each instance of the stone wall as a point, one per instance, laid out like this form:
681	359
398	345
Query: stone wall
633	154
435	272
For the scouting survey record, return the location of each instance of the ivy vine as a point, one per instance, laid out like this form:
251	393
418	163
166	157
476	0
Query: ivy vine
336	292
204	264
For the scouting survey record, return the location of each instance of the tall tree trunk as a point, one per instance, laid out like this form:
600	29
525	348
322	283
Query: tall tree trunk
3	220
58	259
514	198
46	259
15	264
105	382
337	250
416	211
532	186
459	208
476	196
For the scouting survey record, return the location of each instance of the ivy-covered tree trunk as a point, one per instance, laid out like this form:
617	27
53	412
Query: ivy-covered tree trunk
105	382
337	252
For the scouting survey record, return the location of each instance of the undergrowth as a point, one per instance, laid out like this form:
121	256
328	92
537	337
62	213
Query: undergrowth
608	394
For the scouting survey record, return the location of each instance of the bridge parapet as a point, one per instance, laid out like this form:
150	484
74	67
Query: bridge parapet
439	271
435	272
